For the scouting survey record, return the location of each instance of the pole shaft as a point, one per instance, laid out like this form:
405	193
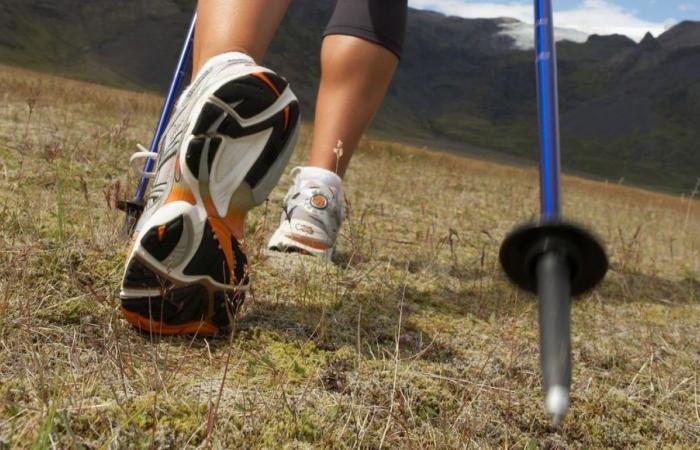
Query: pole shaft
170	99
554	289
548	108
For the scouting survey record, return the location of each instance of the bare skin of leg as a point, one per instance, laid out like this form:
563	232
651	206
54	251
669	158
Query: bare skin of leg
245	26
355	75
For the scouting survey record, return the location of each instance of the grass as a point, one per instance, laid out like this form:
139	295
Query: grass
413	340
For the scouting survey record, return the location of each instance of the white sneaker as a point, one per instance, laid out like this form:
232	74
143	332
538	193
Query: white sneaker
312	214
225	148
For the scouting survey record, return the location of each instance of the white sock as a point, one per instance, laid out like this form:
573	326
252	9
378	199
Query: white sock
328	178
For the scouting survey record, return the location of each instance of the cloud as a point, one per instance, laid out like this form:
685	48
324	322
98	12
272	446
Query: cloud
521	11
589	16
524	37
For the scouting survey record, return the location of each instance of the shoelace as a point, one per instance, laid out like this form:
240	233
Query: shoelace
142	155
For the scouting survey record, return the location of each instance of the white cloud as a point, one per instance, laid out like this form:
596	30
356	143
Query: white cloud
590	16
524	36
517	10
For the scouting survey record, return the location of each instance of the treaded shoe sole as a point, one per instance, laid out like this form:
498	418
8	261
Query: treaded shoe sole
186	272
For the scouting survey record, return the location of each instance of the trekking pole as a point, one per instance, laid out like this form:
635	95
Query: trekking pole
134	207
553	259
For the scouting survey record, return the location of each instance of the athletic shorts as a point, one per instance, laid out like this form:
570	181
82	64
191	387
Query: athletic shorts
380	21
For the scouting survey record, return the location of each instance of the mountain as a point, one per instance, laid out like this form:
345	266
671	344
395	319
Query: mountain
684	35
629	110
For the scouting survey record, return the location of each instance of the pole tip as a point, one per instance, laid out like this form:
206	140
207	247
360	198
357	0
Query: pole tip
557	403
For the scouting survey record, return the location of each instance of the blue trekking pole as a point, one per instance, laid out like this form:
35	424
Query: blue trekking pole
553	259
134	207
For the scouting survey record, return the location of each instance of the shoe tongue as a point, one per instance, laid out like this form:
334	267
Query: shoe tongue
314	185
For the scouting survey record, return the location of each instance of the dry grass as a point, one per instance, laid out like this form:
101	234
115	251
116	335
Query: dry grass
414	340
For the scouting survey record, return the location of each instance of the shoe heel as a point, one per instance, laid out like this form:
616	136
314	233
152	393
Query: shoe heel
187	310
249	127
168	236
159	295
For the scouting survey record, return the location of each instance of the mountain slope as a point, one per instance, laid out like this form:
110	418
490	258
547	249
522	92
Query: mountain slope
463	84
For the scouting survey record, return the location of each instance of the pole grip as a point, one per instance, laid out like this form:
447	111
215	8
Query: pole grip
554	289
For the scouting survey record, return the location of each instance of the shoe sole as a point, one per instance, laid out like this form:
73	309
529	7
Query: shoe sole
187	272
285	241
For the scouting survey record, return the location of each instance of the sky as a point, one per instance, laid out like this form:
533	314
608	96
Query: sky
633	18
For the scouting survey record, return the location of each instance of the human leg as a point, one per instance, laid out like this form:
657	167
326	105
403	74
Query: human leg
355	74
235	26
359	55
227	142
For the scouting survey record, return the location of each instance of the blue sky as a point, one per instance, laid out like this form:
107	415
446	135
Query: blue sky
632	18
652	10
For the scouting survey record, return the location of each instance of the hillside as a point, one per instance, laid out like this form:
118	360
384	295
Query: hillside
414	340
628	110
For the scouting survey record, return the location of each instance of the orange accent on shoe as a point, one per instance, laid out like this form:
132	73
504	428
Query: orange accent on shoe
178	170
223	235
210	207
200	328
180	193
235	221
266	80
161	232
226	228
319	201
308	242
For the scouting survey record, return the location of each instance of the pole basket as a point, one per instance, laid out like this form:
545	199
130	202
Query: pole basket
523	248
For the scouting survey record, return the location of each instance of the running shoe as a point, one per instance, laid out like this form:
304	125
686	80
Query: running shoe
312	214
227	144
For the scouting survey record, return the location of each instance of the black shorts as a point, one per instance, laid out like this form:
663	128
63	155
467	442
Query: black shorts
380	21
